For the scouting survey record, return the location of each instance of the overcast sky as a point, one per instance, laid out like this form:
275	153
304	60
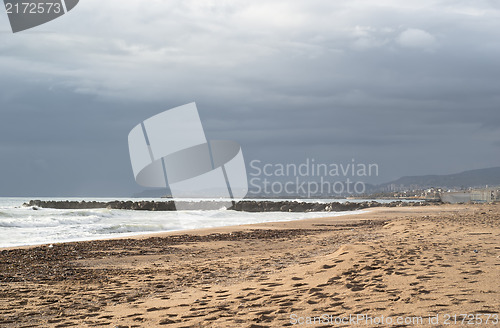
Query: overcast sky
411	86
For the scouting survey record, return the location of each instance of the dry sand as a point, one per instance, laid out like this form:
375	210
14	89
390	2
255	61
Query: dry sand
403	263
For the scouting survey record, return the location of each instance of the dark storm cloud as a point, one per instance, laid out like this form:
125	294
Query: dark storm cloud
413	87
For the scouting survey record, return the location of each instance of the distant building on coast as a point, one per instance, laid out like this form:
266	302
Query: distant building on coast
471	196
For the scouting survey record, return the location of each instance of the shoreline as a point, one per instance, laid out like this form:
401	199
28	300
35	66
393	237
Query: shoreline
252	211
141	235
388	261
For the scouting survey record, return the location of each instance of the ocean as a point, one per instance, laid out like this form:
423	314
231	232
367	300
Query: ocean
21	225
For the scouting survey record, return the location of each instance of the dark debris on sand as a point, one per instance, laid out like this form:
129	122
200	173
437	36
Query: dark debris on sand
54	262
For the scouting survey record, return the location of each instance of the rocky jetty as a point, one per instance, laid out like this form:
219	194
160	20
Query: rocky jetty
245	206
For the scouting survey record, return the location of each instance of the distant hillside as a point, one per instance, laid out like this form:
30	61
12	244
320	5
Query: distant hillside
472	178
467	179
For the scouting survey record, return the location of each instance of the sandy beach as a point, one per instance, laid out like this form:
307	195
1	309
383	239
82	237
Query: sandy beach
416	266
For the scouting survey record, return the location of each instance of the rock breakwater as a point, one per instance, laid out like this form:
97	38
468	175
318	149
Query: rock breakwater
245	206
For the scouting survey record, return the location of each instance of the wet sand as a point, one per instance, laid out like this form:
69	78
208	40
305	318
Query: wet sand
405	263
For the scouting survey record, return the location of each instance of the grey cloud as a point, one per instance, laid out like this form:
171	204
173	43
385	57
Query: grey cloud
393	84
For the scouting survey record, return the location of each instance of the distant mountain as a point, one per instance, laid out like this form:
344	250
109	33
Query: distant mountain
466	179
